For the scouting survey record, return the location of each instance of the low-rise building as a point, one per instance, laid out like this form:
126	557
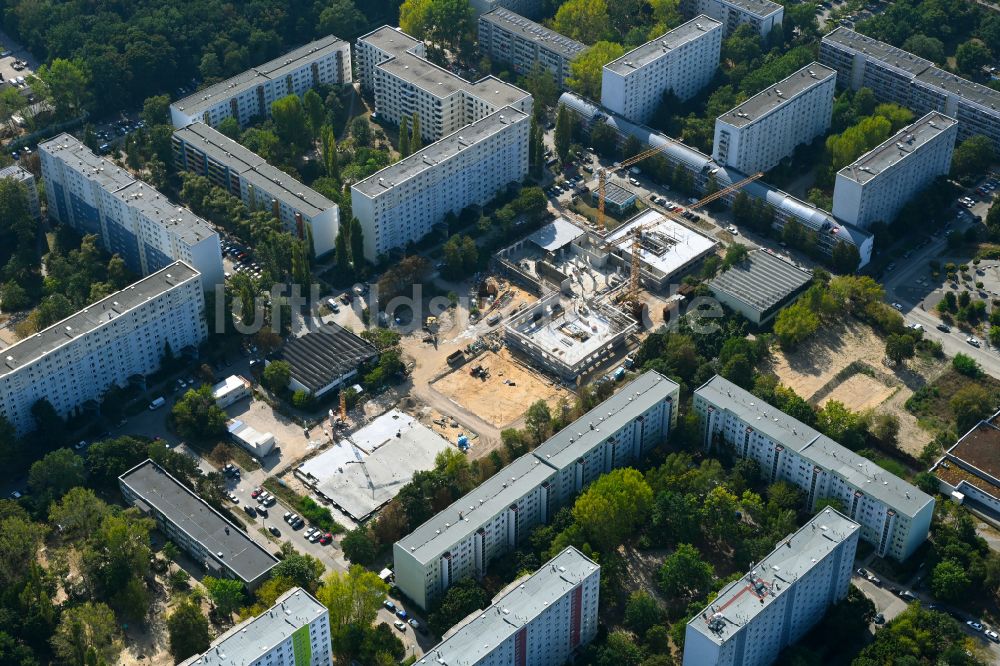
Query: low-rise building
759	286
230	390
326	358
295	631
682	61
249	95
783	596
757	134
762	15
511	38
617	198
876	186
214	542
403	202
970	470
303	211
894	515
539	620
23	176
106	344
256	443
131	218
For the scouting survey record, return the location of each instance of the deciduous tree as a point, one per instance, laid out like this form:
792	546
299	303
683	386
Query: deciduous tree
585	70
187	628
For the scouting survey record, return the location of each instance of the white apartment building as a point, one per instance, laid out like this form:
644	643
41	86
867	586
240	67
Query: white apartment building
131	218
391	63
510	38
491	520
295	631
682	61
404	201
783	596
760	132
250	94
876	186
522	7
894	515
303	211
106	343
22	175
762	15
538	620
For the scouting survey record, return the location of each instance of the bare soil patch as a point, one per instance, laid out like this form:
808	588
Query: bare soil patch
860	392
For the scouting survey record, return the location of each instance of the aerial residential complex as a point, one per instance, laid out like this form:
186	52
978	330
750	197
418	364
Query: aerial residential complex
491	520
79	358
131	218
681	61
829	232
895	75
404	201
762	15
250	94
306	213
752	619
214	542
894	515
295	631
22	175
876	186
391	64
766	128
511	38
540	620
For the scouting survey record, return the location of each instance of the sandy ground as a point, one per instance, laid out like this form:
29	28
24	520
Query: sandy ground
493	400
859	392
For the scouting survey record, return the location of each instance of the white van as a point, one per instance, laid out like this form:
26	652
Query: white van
156	404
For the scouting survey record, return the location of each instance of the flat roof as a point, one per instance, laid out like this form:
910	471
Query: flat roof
762	281
95	315
197	102
760	8
616	194
438	152
667	245
772	97
15	171
897	148
512	611
556	234
535	32
969	91
577	439
189	512
819	449
78	157
670	40
467	514
228	385
389	39
254	168
323	356
367	469
741	601
980	449
886	53
179	220
441	83
248	640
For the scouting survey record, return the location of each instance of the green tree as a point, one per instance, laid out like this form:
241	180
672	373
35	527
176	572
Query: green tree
613	508
230	127
302	570
970	404
949	581
359	545
226	594
404	137
187	629
538	421
315	111
925	47
899	347
464	597
51	477
20	540
685	575
196	415
794	324
586	21
68	84
156	110
586	68
357	238
619	649
845	257
89	625
277	375
735	254
328	149
642	612
416	136
918	636
970	57
972	157
965	364
352	597
78	514
118	553
564	133
542	85
291	123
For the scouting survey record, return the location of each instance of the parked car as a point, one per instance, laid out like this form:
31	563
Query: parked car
389	606
874	580
325	539
399	625
974	625
256	492
250	511
898	306
972	341
944	328
262	510
233	498
401	613
863	573
274	530
880	619
416	625
993	636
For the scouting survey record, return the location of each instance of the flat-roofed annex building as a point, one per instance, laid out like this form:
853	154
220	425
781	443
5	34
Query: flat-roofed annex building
131	218
493	519
206	535
303	211
103	345
757	134
894	515
405	83
403	202
682	60
295	631
971	468
783	596
876	186
522	43
538	620
250	94
762	15
760	286
326	358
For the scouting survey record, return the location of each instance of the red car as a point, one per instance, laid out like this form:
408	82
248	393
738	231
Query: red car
326	538
256	491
